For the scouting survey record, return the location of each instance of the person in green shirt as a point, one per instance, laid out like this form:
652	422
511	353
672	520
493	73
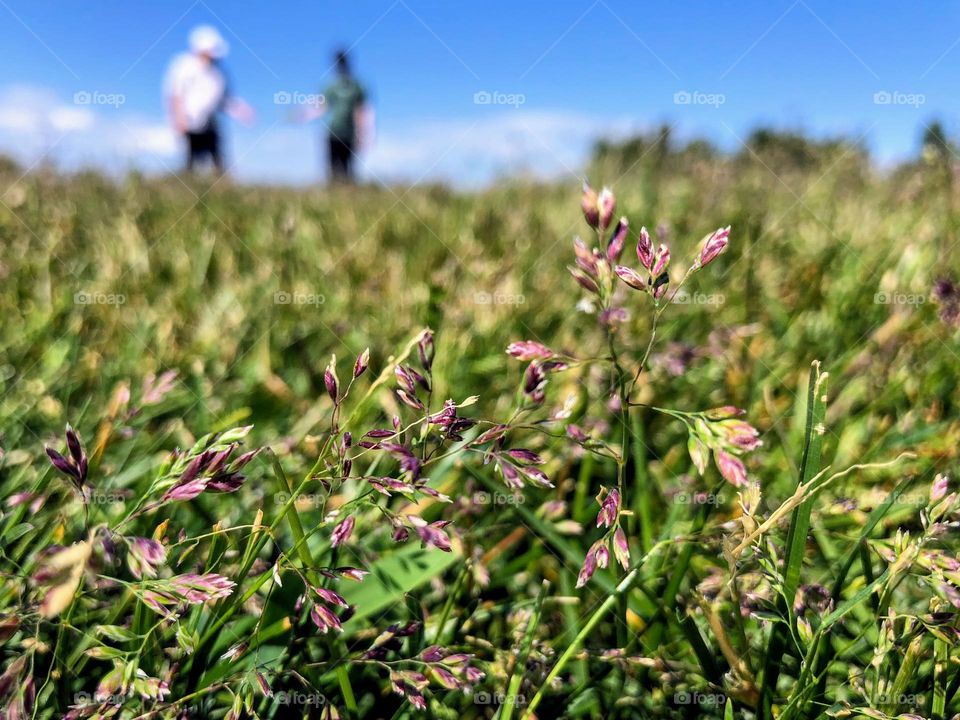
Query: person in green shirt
348	119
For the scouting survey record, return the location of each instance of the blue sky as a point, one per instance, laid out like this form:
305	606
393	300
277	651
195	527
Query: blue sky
558	75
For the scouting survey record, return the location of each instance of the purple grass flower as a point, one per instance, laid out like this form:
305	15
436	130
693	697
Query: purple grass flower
722	413
606	205
330	380
585	257
446	678
263	684
660	261
618	240
526	350
588	203
331	596
741	435
350	573
74	467
145	556
185	490
341	533
409	399
584	280
511	476
535	382
537	476
431	534
362	363
433	654
325	619
938	489
522	455
645	249
156	388
715	244
588	569
732	468
189	588
609	509
575	432
621	549
426	350
631	277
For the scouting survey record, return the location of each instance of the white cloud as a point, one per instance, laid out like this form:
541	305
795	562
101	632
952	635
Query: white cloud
70	119
153	138
35	123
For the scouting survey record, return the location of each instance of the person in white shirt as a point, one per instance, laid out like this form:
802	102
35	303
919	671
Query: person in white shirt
196	91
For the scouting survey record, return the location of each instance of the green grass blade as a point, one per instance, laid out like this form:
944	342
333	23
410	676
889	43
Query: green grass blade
797	534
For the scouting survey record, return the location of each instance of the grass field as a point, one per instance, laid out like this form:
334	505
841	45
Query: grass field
147	576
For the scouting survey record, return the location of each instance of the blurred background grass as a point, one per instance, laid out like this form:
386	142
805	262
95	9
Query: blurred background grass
829	260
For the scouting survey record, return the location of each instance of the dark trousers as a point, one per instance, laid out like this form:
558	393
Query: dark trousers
204	144
341	160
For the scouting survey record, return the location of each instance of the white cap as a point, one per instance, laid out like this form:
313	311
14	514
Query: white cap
207	40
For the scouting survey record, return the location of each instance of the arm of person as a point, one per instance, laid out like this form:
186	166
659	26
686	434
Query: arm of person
173	91
177	117
363	121
309	112
240	110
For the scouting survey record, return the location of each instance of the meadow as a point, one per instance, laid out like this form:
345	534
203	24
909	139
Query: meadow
264	506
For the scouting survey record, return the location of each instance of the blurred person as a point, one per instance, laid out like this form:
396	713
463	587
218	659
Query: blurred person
349	120
197	91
